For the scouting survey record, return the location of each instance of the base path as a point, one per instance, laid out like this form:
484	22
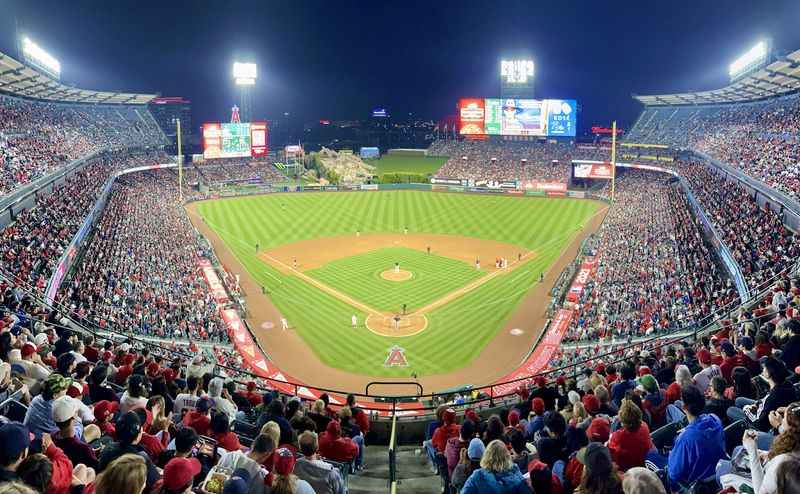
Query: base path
501	355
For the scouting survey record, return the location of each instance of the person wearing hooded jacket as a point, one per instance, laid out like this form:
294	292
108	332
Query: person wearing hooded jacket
335	447
498	474
445	431
701	444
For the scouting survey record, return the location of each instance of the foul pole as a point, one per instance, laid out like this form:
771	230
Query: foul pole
613	158
180	161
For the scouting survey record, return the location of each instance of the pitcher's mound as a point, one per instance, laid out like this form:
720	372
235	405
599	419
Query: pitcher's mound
401	275
385	325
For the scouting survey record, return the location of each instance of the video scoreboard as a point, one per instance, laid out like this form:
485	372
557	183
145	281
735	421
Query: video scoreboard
234	140
517	117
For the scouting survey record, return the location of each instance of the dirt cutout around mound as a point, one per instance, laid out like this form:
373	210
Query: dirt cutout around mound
309	254
294	356
401	275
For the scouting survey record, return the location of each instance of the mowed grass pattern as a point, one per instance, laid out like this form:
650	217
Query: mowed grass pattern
424	165
457	331
360	277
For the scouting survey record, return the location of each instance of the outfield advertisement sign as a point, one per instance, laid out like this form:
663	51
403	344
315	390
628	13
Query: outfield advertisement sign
585	274
589	170
447	181
545	186
235	140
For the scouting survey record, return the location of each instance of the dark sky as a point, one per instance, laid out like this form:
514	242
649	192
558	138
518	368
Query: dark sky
340	59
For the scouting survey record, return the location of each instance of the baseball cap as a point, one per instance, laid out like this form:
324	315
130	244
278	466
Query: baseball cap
746	342
14	437
169	375
599	430
64	408
28	349
237	483
104	408
648	382
179	472
704	356
591	403
40	339
727	348
128	428
56	383
596	458
125	347
204	404
538	405
475	449
644	370
284	461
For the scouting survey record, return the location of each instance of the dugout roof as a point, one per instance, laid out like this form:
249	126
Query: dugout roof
778	78
18	79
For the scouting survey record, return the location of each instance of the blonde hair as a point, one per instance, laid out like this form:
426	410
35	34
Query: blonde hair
125	475
16	488
318	407
284	484
601	392
496	457
345	413
630	416
273	430
597	380
579	412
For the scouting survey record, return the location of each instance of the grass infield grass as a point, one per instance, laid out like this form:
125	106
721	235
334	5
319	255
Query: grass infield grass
457	331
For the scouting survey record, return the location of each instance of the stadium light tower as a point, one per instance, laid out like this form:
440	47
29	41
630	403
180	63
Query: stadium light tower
40	59
755	58
245	74
516	78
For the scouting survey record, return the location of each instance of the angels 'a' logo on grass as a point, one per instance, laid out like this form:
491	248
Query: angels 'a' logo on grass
396	358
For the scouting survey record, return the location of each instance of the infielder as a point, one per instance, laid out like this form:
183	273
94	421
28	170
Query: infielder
354	321
284	323
397	267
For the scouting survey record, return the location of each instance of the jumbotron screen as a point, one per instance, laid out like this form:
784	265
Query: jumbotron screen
518	117
234	140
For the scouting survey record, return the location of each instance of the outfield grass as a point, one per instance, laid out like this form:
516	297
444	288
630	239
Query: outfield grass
424	165
457	331
360	277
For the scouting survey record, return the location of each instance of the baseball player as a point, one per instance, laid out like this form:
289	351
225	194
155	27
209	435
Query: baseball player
397	267
284	323
477	264
396	322
354	321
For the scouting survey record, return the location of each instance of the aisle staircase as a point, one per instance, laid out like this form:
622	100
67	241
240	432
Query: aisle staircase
413	472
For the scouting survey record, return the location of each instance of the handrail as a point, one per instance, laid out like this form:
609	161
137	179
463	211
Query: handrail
394	383
393	455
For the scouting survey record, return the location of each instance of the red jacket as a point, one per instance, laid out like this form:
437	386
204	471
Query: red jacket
335	447
738	360
361	419
228	441
197	421
629	448
61	479
153	446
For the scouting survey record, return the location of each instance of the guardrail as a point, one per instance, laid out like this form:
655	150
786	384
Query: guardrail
393	456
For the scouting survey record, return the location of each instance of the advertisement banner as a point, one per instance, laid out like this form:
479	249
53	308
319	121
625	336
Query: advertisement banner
214	284
541	355
583	276
601	171
369	186
258	139
546	186
212	140
471	116
447	181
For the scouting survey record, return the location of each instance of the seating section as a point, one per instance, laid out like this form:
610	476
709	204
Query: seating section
759	138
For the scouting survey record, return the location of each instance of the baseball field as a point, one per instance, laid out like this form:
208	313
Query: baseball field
436	275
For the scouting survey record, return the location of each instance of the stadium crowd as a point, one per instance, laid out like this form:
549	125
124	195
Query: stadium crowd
760	138
490	160
37	138
654	270
140	269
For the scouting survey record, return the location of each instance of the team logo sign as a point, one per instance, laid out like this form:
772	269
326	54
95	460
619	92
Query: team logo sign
396	358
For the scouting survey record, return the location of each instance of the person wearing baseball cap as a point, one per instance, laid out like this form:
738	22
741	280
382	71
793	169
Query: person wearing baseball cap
129	433
179	474
199	419
32	363
65	411
732	359
335	447
598	469
284	474
39	417
238	482
15	439
709	369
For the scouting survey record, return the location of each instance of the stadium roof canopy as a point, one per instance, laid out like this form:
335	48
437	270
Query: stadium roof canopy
778	78
18	79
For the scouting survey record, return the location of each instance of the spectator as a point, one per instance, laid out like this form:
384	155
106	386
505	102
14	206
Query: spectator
15	439
701	444
718	404
552	445
135	396
447	430
199	419
127	474
639	480
599	472
781	393
179	475
76	448
335	447
262	448
469	461
129	434
323	477
221	432
629	444
497	475
221	397
785	447
286	482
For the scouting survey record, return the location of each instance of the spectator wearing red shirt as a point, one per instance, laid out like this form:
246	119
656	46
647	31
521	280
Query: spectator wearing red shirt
732	359
251	395
104	411
630	444
221	432
199	419
447	430
360	416
763	346
335	447
91	352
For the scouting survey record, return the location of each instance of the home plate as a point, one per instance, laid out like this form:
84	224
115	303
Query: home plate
267	325
516	332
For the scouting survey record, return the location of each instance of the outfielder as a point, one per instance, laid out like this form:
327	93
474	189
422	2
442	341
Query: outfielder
354	321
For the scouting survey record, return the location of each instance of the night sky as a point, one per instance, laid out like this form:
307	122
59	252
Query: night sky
338	60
